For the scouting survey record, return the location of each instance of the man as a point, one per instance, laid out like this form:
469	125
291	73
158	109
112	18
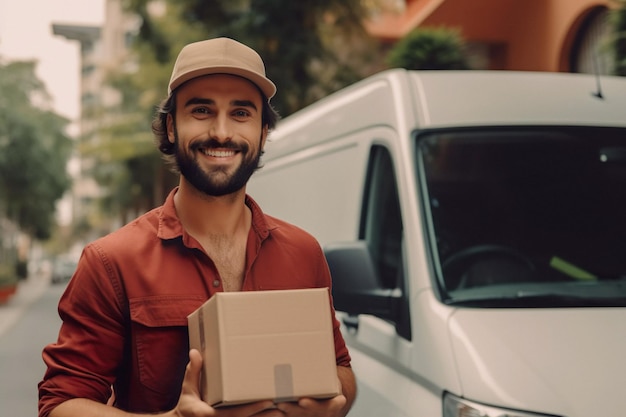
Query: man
123	345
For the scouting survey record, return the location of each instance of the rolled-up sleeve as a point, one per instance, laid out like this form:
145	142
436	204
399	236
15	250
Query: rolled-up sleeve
90	346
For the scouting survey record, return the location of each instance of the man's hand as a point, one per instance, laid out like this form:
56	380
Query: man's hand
190	403
334	407
308	407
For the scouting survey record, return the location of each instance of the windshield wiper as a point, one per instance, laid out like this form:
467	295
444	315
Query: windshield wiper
538	300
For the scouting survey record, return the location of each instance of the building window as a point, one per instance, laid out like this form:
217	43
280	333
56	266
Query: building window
592	52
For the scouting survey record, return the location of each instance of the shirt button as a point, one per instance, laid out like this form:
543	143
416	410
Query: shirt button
216	283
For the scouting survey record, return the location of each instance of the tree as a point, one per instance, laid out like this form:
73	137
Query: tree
429	49
34	151
618	19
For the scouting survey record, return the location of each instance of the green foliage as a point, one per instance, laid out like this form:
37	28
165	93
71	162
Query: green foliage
8	277
429	49
34	150
618	19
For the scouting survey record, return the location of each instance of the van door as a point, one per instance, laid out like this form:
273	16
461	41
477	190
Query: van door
380	342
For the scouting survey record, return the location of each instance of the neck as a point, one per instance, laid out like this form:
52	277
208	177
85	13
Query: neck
205	216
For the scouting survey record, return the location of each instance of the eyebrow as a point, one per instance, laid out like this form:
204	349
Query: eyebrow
236	103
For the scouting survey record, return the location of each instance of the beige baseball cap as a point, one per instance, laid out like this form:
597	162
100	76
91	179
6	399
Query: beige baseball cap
220	56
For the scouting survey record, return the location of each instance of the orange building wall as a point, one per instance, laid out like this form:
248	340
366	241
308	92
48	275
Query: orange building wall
532	35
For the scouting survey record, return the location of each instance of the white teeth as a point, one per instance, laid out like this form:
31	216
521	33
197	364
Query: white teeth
218	154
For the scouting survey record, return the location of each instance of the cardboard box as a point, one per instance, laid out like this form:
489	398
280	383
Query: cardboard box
260	345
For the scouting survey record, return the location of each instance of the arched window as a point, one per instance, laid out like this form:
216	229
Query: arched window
592	52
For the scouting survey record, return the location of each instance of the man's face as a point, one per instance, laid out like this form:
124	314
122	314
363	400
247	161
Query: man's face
218	132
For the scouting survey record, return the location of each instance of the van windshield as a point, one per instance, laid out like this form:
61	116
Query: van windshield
527	217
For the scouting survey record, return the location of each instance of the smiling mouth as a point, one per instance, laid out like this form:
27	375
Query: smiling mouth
215	149
218	153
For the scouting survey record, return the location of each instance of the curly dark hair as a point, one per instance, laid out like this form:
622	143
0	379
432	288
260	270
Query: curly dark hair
269	118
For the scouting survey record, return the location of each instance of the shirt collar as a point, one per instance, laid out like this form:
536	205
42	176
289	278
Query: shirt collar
170	226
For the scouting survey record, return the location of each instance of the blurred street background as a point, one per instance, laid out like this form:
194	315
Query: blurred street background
79	82
28	322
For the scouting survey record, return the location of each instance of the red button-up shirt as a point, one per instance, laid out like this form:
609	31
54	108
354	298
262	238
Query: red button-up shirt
125	309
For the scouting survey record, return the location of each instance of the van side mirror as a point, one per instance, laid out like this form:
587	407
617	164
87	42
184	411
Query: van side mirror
356	288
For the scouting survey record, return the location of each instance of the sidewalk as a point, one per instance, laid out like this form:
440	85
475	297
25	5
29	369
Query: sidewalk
28	291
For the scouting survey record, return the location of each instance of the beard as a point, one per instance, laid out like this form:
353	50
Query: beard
217	182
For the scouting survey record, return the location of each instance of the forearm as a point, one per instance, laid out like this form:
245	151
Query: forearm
80	407
348	386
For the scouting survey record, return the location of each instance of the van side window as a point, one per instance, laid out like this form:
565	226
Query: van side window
381	225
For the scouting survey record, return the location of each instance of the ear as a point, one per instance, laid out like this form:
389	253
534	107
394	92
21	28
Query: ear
171	136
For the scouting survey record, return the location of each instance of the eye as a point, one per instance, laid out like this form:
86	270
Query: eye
201	110
241	113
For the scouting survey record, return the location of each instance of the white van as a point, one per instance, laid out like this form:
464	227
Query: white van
475	227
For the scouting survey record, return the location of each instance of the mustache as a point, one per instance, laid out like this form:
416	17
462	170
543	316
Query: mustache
215	144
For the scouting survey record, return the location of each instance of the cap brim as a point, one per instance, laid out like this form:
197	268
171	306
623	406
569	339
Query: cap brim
265	85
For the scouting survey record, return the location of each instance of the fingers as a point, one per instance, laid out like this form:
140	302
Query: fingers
260	408
190	402
330	407
191	382
195	359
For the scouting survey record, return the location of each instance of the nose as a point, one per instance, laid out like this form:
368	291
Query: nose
220	129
